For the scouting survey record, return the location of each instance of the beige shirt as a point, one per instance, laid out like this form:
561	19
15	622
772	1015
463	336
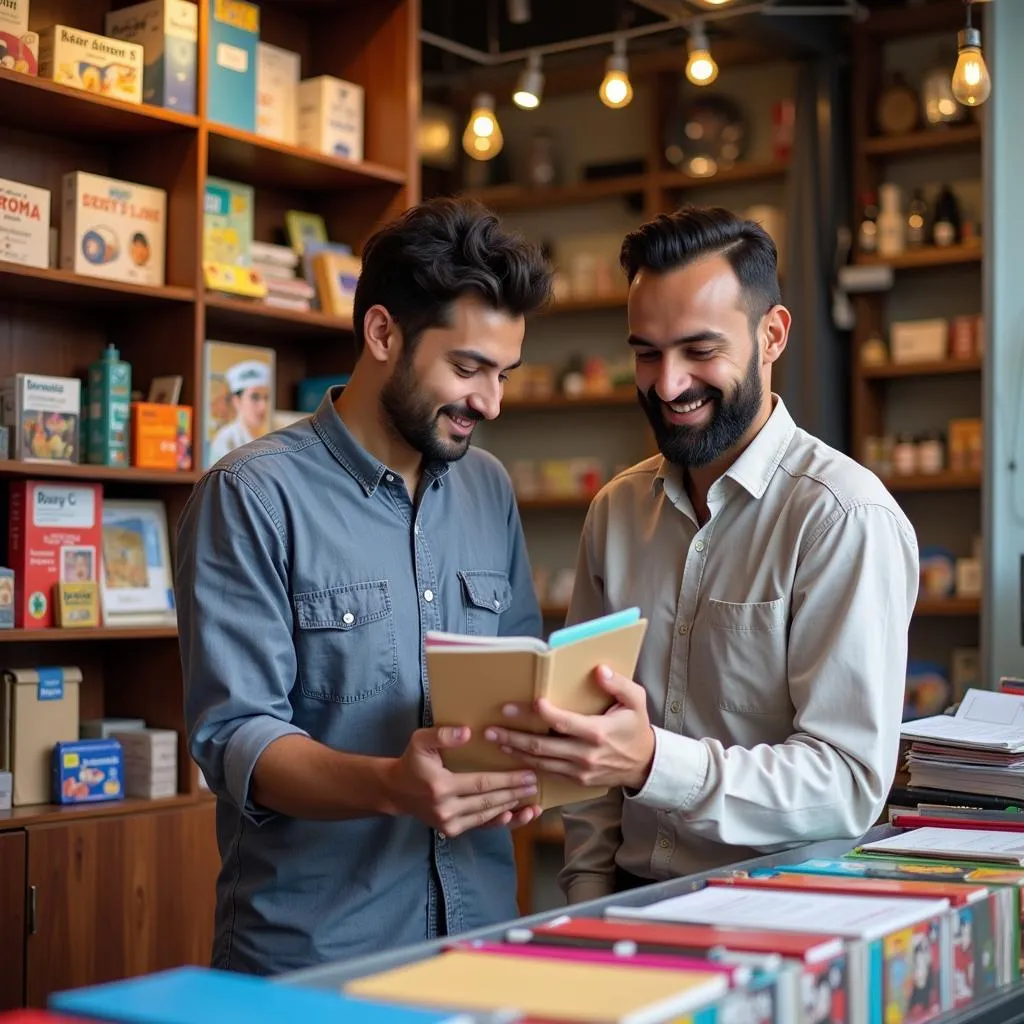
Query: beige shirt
774	662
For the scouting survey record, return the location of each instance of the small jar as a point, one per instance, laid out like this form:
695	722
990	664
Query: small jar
904	455
931	452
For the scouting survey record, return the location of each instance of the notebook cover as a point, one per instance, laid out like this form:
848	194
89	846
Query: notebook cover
652	936
196	995
593	993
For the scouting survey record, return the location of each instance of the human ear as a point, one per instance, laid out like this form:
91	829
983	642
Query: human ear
775	332
380	334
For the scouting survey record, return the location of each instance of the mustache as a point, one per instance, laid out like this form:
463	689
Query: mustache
463	412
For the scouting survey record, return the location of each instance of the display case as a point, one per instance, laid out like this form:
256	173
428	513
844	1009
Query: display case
1003	1007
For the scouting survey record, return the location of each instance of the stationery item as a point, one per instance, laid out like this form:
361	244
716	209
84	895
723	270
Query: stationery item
330	117
591	993
98	64
984	720
233	37
77	605
1014	823
24	219
87	771
988	845
277	93
197	995
520	670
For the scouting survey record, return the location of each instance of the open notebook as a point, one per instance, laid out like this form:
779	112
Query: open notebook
472	677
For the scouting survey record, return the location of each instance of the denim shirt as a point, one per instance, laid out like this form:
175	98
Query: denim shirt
306	580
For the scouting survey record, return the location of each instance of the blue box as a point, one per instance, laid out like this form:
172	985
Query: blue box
87	771
168	32
231	63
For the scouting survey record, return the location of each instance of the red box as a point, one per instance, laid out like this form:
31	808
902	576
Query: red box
56	533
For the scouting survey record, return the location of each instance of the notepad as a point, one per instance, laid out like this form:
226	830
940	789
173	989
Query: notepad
196	995
995	846
472	678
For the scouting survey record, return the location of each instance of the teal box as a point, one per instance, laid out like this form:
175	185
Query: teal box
87	771
231	63
108	410
168	32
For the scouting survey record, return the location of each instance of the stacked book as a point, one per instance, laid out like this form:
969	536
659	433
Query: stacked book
150	762
907	928
978	750
277	265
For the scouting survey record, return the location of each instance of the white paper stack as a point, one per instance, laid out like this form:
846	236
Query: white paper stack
150	763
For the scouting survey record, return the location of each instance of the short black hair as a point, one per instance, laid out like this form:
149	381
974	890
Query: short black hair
676	239
438	251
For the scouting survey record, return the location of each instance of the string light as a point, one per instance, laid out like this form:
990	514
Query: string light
701	68
530	86
482	139
616	90
971	80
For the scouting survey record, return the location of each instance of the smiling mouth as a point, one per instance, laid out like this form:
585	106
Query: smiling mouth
462	424
682	408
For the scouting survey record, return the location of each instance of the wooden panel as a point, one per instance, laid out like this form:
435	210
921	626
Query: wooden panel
12	920
119	897
54	814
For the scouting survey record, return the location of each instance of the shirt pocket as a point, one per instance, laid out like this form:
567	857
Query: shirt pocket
347	650
747	654
486	594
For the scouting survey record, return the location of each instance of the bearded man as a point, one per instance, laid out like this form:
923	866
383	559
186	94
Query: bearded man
310	564
778	576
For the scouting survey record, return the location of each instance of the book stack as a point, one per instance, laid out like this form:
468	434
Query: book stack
277	264
150	762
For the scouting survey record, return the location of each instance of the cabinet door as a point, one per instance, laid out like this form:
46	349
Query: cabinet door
12	919
120	896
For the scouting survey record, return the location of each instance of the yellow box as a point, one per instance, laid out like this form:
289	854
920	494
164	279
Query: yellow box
94	63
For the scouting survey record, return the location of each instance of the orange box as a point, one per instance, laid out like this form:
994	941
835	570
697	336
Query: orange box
161	436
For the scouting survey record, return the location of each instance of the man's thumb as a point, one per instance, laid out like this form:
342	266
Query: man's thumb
445	736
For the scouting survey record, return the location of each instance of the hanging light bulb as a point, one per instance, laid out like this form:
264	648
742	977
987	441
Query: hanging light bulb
971	80
701	68
530	86
482	139
616	89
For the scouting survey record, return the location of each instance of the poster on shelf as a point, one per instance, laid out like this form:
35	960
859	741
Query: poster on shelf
239	384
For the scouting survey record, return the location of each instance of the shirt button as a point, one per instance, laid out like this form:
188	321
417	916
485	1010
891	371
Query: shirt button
683	629
416	528
428	595
674	707
390	477
441	837
348	618
664	844
497	603
698	546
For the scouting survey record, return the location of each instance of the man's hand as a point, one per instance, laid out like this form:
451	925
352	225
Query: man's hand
613	749
454	802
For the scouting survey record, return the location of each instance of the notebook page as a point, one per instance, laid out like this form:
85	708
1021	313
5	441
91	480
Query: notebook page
977	844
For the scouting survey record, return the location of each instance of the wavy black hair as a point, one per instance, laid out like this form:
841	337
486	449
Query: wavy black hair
676	239
438	251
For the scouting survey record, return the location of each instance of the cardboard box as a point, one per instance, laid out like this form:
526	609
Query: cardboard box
916	341
44	413
87	771
38	710
161	436
234	30
56	535
24	224
277	93
331	117
19	48
97	64
113	229
168	32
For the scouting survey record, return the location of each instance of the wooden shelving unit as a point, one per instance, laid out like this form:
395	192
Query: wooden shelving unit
570	402
893	371
52	321
948	607
933	140
926	258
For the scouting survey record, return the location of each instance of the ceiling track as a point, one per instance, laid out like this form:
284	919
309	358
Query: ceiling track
684	20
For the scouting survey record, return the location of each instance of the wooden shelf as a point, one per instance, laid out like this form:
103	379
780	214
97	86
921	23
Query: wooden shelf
523	197
29	636
561	402
106	474
60	287
946	481
598	302
752	172
51	814
243	156
36	105
928	141
257	316
553	504
947	606
925	257
890	371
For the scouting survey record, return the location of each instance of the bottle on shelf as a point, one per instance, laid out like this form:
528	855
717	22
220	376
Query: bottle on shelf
891	227
867	235
917	220
108	407
946	221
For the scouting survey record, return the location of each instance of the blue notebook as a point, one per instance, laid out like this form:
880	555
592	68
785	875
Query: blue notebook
602	624
197	995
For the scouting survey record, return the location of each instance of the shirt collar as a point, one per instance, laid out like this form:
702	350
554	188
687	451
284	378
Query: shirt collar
366	469
756	465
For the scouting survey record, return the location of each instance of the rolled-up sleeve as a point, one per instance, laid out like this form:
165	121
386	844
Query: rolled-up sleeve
853	599
235	632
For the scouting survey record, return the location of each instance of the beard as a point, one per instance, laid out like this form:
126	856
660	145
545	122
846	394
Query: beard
415	419
730	418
